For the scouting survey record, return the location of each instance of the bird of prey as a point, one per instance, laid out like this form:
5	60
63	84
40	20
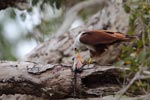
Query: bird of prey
96	41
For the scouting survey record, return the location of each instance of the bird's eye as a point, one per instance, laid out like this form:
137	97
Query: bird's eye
84	33
80	32
75	48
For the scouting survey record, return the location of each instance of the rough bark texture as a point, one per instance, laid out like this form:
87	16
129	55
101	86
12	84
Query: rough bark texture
31	79
56	81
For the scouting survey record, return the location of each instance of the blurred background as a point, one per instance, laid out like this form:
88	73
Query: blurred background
21	31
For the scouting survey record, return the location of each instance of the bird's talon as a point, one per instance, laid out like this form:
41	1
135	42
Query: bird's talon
89	61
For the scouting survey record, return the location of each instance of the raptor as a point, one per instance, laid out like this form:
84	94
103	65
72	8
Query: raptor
96	41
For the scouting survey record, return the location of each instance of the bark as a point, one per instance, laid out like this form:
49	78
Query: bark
56	81
34	79
111	97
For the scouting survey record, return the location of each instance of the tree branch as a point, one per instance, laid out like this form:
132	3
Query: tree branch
45	81
56	81
49	81
72	14
122	91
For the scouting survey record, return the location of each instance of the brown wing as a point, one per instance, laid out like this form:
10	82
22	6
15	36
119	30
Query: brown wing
96	37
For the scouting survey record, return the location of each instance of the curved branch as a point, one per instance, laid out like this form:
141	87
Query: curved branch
72	14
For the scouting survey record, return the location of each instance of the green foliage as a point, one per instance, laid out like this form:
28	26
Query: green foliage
5	48
5	45
40	31
139	55
139	87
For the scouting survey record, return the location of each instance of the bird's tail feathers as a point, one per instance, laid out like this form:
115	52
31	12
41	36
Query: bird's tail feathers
129	38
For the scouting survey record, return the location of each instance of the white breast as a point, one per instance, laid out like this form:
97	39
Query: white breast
79	45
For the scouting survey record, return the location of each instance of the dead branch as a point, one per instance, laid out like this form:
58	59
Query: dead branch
49	81
56	81
72	14
34	79
20	97
122	91
111	97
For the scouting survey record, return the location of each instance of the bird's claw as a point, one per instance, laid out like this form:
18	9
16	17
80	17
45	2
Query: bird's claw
89	61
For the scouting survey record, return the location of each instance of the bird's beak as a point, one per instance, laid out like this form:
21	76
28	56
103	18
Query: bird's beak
77	55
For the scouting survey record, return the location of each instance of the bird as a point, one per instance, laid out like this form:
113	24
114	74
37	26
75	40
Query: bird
96	41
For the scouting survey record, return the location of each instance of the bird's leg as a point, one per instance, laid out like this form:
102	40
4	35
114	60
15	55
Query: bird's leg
89	61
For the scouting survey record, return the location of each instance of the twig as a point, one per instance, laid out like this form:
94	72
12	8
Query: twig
121	92
72	14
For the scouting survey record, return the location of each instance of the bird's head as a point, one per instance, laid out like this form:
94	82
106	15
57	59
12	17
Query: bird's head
77	43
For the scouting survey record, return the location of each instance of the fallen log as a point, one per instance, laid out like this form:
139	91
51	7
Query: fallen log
56	81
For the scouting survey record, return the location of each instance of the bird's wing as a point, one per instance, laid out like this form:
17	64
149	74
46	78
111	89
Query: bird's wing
101	37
